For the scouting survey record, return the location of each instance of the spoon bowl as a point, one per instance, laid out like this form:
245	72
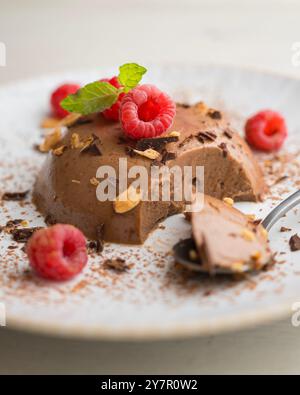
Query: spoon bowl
182	248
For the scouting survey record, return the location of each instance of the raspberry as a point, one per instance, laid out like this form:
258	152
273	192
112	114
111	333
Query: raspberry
58	252
266	131
60	94
146	112
112	113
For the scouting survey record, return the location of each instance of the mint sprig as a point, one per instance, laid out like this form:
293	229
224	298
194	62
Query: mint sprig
99	96
130	75
94	97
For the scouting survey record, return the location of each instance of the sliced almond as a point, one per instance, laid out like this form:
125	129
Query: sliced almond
228	201
70	119
51	140
174	134
248	235
60	150
75	141
251	217
256	255
127	200
75	181
86	143
148	153
50	123
202	107
94	181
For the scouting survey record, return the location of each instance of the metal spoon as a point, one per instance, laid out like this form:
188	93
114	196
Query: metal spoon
182	248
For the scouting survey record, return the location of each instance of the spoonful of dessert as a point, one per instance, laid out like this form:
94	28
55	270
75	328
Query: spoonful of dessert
226	241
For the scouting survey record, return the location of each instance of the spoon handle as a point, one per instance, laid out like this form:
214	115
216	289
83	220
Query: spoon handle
281	210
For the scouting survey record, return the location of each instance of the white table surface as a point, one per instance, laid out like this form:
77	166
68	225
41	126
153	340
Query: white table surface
50	36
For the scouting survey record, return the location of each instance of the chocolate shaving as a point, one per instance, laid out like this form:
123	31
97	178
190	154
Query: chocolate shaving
117	264
228	134
95	245
13	222
223	147
24	234
284	229
166	156
15	196
130	152
206	136
11	225
158	144
12	247
156	162
279	180
295	243
186	140
94	148
214	114
99	235
183	105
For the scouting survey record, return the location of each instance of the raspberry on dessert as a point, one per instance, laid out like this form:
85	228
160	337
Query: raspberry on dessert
112	113
60	94
58	252
146	112
266	131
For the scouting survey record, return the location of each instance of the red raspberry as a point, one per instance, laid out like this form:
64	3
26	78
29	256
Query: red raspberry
146	112
58	252
112	113
60	94
266	131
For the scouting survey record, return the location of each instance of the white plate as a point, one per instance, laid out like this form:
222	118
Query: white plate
154	299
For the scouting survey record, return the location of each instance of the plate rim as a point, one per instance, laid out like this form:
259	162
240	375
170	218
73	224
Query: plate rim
230	323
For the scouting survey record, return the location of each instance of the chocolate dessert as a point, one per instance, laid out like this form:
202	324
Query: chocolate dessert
226	238
65	189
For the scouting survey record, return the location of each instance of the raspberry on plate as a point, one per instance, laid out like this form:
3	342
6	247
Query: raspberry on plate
146	112
58	252
266	131
112	113
60	94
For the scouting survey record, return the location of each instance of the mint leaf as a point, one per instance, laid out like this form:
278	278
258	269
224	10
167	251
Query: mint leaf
94	97
130	75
